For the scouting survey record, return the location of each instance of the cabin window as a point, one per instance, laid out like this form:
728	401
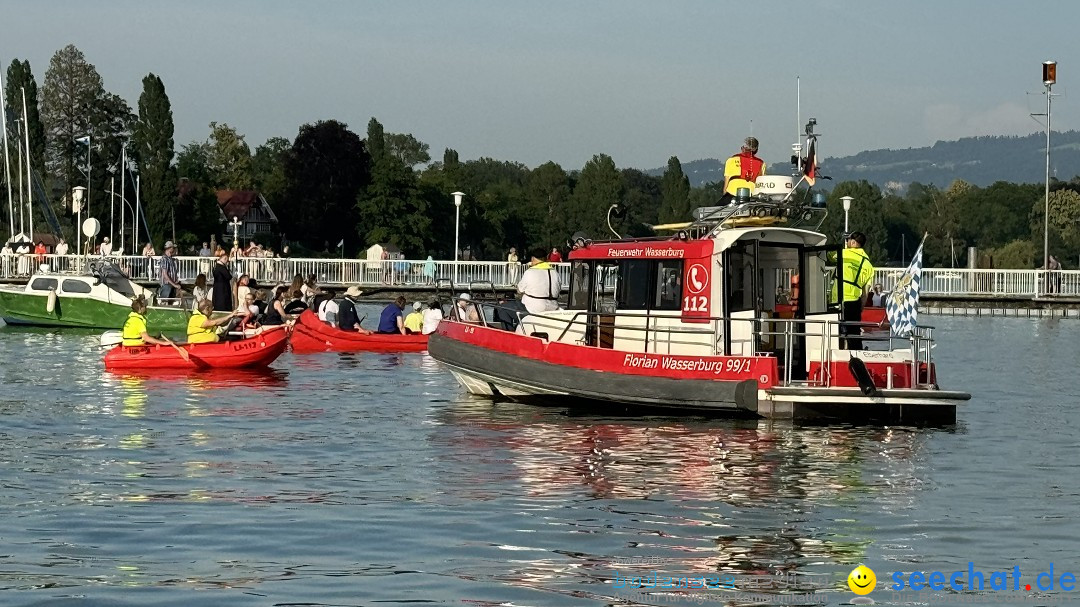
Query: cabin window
740	277
607	284
75	286
579	285
634	286
43	284
668	291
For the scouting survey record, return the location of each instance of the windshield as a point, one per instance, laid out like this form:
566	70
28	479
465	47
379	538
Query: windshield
115	279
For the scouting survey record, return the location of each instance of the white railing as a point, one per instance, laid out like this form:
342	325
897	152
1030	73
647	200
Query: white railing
958	282
941	282
331	272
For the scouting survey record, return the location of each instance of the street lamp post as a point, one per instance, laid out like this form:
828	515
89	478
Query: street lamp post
457	222
457	229
1049	78
847	207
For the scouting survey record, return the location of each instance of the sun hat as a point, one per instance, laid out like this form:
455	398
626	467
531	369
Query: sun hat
465	296
417	305
169	244
353	291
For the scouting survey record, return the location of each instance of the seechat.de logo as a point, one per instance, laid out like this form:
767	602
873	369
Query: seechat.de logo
861	580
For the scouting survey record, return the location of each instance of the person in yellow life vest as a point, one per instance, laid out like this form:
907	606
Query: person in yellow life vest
414	322
742	169
134	332
200	327
857	272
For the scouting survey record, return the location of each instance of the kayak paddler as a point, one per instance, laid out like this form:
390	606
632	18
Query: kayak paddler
200	328
134	332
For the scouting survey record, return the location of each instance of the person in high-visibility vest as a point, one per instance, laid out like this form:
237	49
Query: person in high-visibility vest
857	271
742	169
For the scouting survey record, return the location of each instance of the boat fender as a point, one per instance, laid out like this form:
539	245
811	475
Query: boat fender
50	301
862	375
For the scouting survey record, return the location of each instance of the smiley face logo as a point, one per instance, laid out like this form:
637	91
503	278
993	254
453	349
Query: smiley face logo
861	580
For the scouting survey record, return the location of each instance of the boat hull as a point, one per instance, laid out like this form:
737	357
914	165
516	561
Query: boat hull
251	353
528	368
30	309
491	362
312	335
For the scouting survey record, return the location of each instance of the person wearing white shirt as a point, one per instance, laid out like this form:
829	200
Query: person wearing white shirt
328	310
106	247
540	285
432	317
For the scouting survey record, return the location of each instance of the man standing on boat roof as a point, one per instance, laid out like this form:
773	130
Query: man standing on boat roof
857	272
539	285
742	169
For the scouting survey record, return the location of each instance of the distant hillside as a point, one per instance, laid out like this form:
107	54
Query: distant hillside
978	160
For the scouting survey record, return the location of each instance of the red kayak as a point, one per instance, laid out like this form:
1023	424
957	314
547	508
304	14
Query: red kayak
257	351
313	335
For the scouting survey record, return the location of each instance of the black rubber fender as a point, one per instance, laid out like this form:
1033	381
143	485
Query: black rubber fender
862	375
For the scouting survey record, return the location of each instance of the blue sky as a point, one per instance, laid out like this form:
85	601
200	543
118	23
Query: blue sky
564	80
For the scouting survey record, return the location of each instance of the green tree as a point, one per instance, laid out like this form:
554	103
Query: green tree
1016	254
642	200
598	187
324	171
153	151
229	159
676	193
865	216
193	163
392	209
20	77
70	96
407	149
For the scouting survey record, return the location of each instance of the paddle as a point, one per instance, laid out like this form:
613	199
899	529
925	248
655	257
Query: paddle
111	338
183	353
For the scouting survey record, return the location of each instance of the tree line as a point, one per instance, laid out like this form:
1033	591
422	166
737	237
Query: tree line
330	184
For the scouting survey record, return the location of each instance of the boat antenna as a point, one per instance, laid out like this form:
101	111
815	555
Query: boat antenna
797	148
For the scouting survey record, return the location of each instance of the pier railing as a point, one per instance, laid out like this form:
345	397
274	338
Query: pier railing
964	283
329	272
417	273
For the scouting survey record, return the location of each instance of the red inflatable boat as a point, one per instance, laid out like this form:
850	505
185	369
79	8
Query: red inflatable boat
253	352
312	335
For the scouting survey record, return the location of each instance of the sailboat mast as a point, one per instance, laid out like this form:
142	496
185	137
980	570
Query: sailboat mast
18	146
123	200
29	172
7	165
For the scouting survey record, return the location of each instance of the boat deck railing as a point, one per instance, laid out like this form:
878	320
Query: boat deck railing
826	335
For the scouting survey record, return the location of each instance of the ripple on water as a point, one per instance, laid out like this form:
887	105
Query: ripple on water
350	479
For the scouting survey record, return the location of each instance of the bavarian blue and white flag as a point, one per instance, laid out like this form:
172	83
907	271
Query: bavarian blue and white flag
902	303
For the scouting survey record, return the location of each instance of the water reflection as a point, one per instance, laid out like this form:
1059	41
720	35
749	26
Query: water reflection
748	497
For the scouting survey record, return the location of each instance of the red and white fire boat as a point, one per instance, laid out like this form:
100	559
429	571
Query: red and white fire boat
708	320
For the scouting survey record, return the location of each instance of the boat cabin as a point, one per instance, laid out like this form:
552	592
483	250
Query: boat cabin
700	297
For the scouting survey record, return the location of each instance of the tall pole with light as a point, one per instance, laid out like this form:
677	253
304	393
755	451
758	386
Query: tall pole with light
457	229
847	207
457	223
1049	71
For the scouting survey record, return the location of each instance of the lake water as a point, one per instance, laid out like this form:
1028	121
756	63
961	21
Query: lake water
364	479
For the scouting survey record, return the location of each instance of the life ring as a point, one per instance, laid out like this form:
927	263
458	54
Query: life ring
50	301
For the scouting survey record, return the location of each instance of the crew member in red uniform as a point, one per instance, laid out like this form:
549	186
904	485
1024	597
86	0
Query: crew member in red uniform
742	169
